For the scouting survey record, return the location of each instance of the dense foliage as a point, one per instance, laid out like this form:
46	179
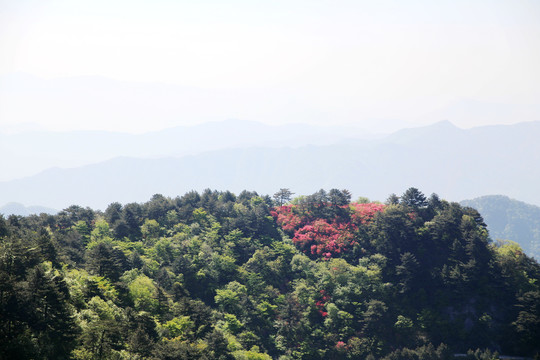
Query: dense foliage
221	276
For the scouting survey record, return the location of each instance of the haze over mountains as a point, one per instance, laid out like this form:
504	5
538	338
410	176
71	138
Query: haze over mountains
32	152
14	208
99	103
453	162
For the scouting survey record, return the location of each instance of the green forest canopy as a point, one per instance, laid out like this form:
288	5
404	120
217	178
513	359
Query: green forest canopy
223	276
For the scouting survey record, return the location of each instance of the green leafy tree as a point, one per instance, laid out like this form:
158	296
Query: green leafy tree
143	294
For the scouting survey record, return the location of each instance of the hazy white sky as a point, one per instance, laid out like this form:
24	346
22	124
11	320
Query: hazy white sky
347	62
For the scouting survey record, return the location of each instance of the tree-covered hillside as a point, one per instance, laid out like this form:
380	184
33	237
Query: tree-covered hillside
222	276
510	219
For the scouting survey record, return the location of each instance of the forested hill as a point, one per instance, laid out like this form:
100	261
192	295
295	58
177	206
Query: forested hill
215	275
509	219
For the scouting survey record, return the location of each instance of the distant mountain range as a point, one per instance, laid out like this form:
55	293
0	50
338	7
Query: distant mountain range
455	163
35	151
509	219
20	209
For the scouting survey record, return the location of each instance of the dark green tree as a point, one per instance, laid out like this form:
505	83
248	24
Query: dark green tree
527	323
414	198
283	196
104	260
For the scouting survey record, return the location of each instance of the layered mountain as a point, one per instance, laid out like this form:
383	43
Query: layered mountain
35	151
455	163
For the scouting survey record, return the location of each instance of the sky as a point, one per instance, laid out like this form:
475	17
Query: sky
146	65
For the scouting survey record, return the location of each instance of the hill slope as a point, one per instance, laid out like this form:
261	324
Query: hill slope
224	276
509	219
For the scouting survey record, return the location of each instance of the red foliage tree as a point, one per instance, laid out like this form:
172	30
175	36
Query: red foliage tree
325	237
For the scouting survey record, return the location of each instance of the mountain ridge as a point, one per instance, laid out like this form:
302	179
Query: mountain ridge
451	168
19	209
35	151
